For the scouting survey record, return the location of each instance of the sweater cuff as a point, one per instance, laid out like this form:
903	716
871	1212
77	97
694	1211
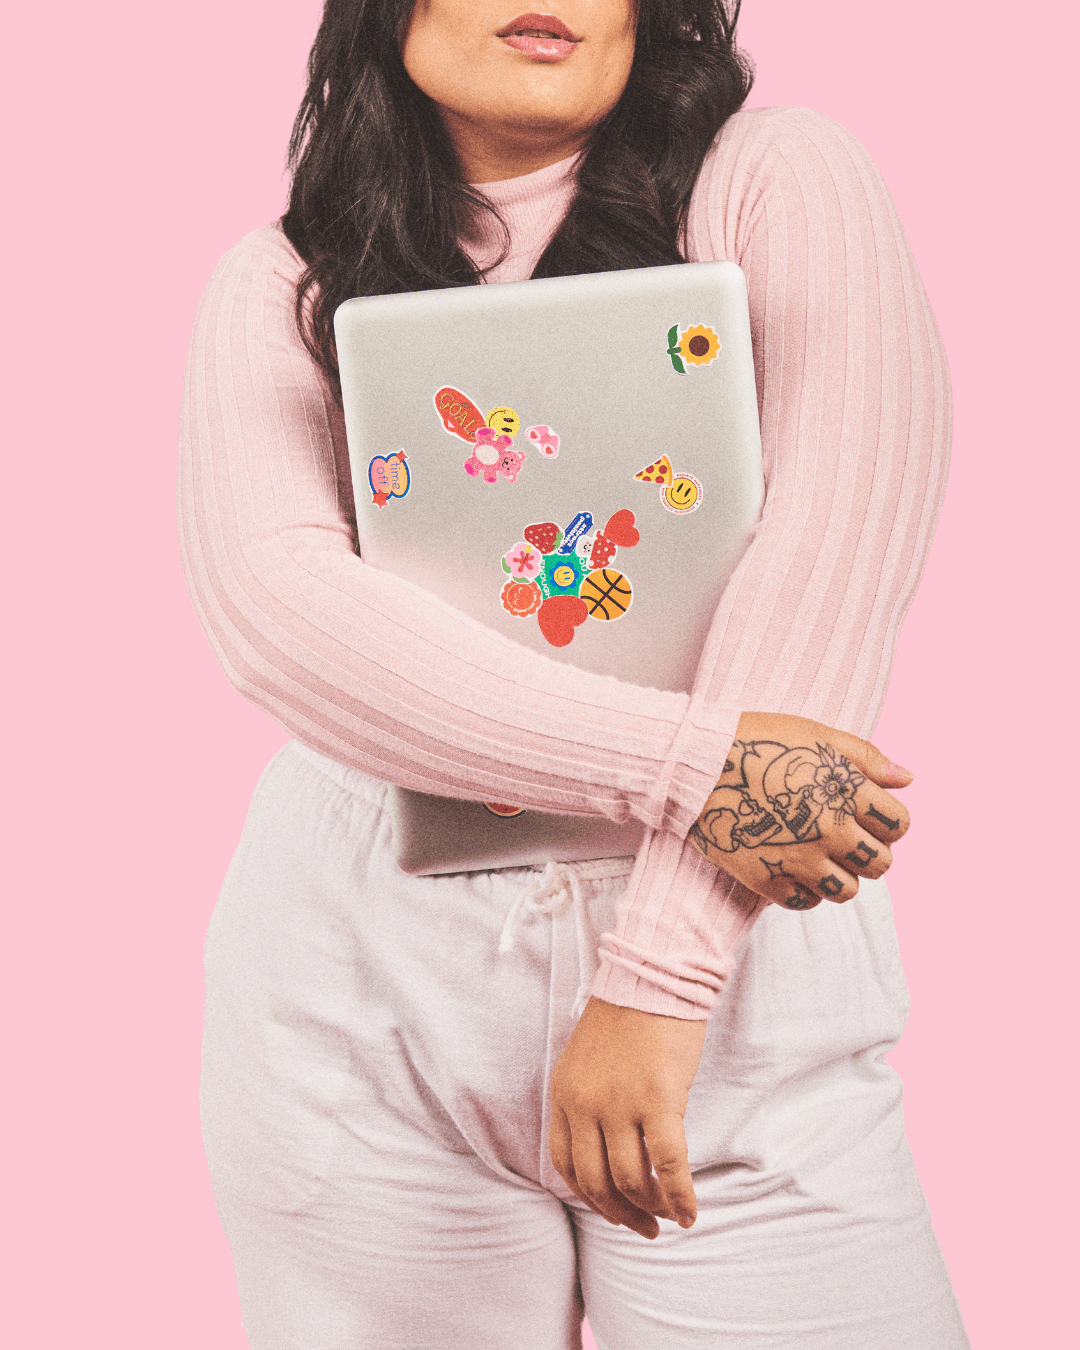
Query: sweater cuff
694	765
678	926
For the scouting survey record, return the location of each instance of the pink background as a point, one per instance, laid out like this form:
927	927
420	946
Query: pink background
143	140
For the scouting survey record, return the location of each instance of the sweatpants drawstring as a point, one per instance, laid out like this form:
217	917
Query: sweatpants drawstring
559	887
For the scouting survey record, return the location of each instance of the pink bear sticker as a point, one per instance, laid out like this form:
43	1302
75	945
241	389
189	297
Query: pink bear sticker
492	455
546	439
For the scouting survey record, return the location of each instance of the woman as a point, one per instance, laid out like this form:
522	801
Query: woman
413	1140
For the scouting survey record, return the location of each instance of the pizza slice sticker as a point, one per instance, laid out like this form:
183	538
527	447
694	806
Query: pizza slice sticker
660	472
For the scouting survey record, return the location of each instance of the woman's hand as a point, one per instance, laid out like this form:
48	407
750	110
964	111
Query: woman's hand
800	812
618	1097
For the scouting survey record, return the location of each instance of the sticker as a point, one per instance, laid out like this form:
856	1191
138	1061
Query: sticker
564	583
505	420
660	472
460	415
697	345
523	560
619	532
680	492
521	598
559	615
389	477
546	439
607	594
545	536
501	809
561	574
683	495
493	455
580	525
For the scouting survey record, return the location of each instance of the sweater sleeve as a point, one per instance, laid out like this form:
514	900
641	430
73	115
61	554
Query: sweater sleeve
855	425
375	673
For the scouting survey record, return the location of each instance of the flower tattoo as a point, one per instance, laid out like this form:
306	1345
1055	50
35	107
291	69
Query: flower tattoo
777	797
836	782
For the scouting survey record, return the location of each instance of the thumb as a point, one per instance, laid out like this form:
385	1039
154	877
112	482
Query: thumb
877	766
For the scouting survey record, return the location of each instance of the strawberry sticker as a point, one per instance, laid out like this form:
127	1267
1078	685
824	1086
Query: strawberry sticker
545	537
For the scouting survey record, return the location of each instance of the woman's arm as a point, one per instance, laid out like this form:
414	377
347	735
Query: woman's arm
855	421
855	425
361	666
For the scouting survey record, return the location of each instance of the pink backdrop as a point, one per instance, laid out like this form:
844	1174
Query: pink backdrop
143	140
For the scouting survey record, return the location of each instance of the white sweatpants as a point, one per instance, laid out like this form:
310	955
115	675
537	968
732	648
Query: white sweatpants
375	1094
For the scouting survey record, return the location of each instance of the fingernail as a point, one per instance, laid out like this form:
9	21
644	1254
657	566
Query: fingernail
685	1221
899	770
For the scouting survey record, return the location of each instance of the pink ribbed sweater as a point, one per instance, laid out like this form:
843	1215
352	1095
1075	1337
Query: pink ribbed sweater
385	678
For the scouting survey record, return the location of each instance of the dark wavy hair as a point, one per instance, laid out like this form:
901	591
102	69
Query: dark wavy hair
378	202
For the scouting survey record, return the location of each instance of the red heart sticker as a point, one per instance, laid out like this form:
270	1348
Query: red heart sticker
559	615
620	529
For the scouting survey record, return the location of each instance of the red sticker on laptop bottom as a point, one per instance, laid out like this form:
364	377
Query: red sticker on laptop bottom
501	809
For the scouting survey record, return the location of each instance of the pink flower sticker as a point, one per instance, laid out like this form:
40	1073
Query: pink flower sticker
546	439
523	561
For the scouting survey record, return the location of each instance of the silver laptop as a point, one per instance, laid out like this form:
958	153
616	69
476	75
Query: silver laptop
574	462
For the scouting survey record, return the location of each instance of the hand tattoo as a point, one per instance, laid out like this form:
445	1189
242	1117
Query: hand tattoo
861	854
875	814
778	797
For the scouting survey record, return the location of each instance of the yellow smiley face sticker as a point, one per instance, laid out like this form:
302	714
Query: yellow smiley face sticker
504	420
683	494
563	576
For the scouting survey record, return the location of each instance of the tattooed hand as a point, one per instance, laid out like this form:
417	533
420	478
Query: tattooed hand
800	812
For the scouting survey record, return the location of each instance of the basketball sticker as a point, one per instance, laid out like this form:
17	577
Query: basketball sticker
607	594
696	345
562	575
389	477
681	493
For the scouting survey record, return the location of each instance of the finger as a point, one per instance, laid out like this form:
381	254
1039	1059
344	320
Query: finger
562	1157
560	1144
665	1140
596	1186
879	768
861	854
880	814
801	882
631	1171
796	897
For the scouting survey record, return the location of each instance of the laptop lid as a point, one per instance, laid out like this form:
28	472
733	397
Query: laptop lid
574	462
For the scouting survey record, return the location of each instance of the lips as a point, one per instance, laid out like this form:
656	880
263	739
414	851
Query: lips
543	37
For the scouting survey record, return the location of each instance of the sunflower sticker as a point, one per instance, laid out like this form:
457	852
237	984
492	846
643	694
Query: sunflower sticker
697	345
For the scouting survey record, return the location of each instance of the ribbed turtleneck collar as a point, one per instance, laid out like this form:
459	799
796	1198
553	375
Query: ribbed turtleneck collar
532	207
